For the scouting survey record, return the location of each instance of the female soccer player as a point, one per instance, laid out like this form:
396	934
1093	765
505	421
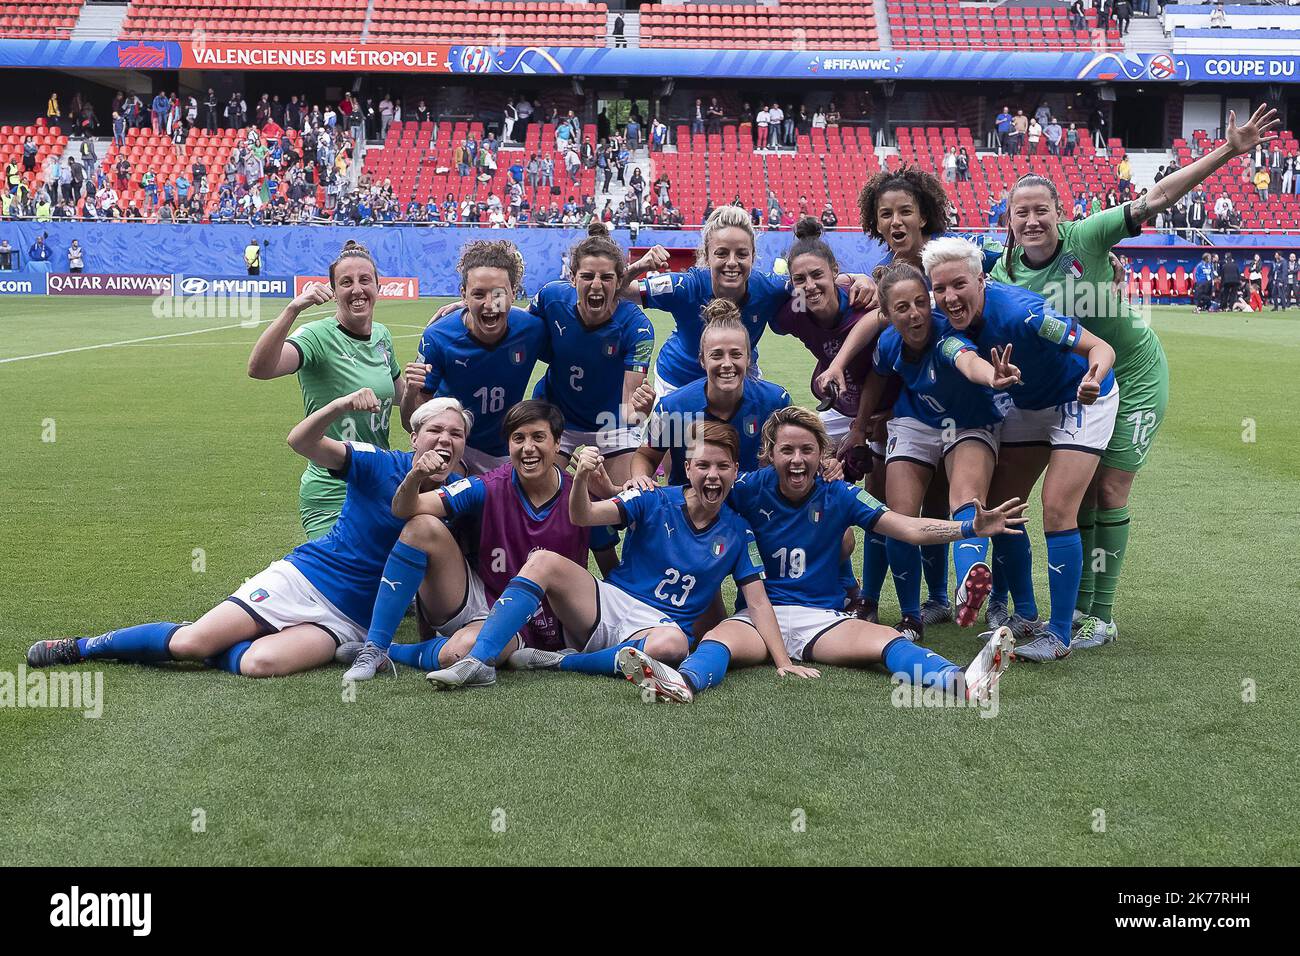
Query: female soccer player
482	354
726	394
941	417
291	616
1069	264
724	269
518	508
1061	419
334	357
600	351
798	519
681	544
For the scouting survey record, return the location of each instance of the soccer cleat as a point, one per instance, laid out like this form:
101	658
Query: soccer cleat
1093	632
996	615
367	662
668	684
1043	648
1026	629
934	611
971	594
347	652
911	628
534	659
48	653
986	669
867	610
466	672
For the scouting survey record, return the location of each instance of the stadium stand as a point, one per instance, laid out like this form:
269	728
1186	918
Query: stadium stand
50	143
340	20
816	24
1279	211
40	19
948	24
456	21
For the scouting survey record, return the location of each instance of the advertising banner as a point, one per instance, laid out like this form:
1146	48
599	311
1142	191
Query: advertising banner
233	285
390	287
27	284
108	283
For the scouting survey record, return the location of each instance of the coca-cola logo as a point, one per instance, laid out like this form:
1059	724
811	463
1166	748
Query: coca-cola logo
392	287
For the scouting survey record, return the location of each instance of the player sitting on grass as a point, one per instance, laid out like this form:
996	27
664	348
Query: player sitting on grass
482	354
1061	418
600	351
798	520
291	616
520	507
941	419
680	546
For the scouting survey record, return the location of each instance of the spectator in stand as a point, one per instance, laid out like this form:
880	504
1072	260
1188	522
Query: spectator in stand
1052	131
6	256
775	126
1077	21
1124	174
787	127
658	135
762	122
1222	211
39	253
178	139
119	129
1035	135
460	156
620	40
963	166
633	133
714	116
1097	125
572	165
385	116
950	165
52	111
997	210
65	182
1019	130
211	109
829	219
1289	176
158	112
533	173
1002	126
1071	140
548	172
525	110
819	118
697	117
1261	181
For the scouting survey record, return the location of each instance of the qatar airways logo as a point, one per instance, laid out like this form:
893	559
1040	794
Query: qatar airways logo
62	283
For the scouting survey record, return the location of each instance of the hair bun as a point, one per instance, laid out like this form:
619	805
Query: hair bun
597	228
807	228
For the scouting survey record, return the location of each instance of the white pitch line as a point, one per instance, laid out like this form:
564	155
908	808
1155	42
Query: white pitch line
109	345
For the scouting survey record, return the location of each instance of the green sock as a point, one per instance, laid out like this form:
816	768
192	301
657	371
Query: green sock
1111	538
1087	520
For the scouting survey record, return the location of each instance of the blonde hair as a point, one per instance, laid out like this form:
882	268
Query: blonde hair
800	418
435	407
723	315
952	249
724	217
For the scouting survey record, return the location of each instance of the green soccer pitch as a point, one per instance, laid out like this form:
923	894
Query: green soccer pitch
1175	745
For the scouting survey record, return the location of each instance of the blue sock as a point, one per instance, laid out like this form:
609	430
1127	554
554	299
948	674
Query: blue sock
969	551
707	666
918	665
848	580
143	643
905	563
1064	569
402	576
228	660
1001	590
1018	567
934	561
423	655
516	606
875	565
598	663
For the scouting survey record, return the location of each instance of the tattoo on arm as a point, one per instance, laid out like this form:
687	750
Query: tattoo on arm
1140	209
942	531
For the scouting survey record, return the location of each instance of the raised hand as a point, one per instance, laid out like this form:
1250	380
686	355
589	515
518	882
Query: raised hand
831	469
1004	373
656	259
1090	386
828	385
362	400
1242	139
643	399
1006	518
416	374
317	293
642	483
585	460
431	463
862	290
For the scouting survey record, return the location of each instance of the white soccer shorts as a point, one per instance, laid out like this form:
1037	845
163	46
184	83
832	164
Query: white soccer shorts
1070	425
281	596
913	440
800	626
620	617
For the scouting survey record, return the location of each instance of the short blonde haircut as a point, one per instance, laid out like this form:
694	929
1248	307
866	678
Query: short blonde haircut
800	418
435	407
936	252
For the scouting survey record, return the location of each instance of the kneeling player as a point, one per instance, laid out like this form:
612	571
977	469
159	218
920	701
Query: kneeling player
520	507
681	544
798	519
291	616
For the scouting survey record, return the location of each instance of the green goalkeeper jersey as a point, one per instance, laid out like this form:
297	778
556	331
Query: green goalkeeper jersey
1079	281
335	362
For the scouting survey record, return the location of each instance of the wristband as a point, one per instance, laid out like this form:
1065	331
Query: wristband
968	529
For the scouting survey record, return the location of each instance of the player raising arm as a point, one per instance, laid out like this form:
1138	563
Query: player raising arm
798	519
1069	264
334	357
1062	415
291	616
681	544
482	354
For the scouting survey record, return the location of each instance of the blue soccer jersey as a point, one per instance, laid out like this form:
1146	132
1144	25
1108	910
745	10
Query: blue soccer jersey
486	379
674	566
800	542
684	295
347	563
934	392
670	422
585	375
1043	341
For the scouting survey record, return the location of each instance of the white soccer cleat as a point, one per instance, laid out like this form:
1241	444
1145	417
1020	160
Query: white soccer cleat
972	591
466	672
987	667
535	659
668	684
1093	632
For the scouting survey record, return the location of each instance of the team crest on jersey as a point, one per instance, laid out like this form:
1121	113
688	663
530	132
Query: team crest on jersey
260	595
719	546
382	348
815	515
1071	266
751	426
611	349
517	356
889	448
